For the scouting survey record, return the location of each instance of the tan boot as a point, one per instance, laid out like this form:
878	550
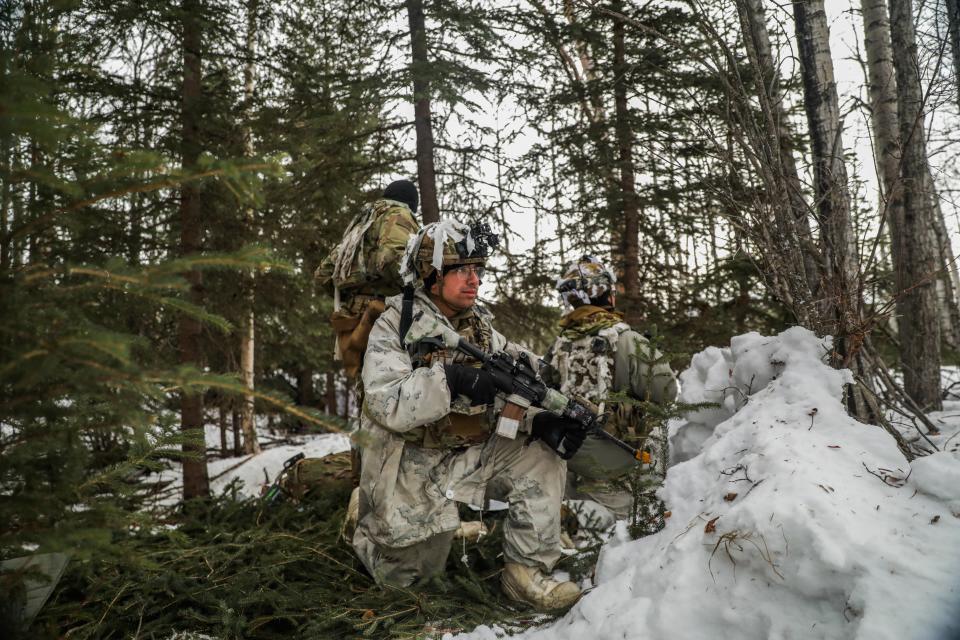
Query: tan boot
529	585
353	514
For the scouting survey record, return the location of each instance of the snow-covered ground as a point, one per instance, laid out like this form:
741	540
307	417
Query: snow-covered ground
253	472
789	518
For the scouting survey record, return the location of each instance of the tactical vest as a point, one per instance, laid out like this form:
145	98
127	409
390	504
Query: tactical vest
586	366
465	425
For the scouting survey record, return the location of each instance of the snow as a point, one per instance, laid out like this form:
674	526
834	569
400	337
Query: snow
789	518
253	472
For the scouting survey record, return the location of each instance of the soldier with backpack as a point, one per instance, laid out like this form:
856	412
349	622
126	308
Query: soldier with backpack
365	268
599	358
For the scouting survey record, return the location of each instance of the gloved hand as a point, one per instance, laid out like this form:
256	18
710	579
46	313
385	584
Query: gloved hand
556	430
474	383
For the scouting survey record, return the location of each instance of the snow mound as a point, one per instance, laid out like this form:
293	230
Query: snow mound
791	519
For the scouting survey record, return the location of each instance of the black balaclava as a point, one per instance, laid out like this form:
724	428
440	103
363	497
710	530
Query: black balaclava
403	191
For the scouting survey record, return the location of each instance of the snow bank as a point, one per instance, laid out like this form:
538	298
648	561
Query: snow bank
262	469
254	472
790	519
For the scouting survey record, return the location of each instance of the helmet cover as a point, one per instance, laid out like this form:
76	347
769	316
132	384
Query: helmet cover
585	280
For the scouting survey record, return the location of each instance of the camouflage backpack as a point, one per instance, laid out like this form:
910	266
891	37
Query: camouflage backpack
586	364
365	275
309	475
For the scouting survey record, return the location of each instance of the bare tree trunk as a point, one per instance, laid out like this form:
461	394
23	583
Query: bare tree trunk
882	82
916	277
953	24
5	205
628	195
196	482
949	282
426	174
841	285
331	393
6	149
821	102
237	443
883	102
222	409
304	392
248	337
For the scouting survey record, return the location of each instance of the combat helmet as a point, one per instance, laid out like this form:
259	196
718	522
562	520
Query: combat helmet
445	243
585	280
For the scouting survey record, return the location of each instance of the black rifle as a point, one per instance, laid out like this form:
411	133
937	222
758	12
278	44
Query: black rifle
275	490
518	380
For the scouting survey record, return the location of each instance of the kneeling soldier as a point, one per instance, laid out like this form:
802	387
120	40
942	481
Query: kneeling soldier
597	354
430	439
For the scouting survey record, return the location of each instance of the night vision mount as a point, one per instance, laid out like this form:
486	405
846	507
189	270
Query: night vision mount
484	241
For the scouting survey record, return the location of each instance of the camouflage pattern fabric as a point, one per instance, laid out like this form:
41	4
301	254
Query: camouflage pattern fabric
368	259
319	475
584	280
597	355
408	491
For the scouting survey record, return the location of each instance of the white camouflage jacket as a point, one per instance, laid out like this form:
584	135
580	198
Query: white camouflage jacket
407	491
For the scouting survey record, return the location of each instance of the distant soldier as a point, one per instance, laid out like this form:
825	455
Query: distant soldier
597	354
365	268
431	440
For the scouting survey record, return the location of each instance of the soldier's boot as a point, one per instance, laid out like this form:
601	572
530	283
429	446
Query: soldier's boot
531	586
353	514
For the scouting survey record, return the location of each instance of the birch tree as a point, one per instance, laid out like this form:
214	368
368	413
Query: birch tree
953	25
917	273
248	335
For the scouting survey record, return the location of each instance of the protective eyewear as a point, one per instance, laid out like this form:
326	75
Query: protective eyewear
464	271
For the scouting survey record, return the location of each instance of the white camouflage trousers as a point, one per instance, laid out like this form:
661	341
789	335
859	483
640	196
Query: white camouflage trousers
408	512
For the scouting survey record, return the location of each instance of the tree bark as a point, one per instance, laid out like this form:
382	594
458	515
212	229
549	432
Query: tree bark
248	337
222	414
6	148
196	482
420	70
916	277
953	25
840	282
949	282
629	240
6	204
331	393
237	443
882	83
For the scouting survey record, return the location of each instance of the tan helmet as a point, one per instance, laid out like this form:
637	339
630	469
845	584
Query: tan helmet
585	280
445	243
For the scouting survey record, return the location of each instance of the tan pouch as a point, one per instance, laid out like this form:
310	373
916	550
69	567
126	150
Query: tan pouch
353	343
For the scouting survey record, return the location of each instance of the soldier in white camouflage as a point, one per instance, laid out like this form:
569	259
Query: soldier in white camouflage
599	358
430	440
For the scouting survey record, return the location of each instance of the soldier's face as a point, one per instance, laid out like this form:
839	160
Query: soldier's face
459	290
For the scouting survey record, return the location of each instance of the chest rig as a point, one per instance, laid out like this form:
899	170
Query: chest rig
465	425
